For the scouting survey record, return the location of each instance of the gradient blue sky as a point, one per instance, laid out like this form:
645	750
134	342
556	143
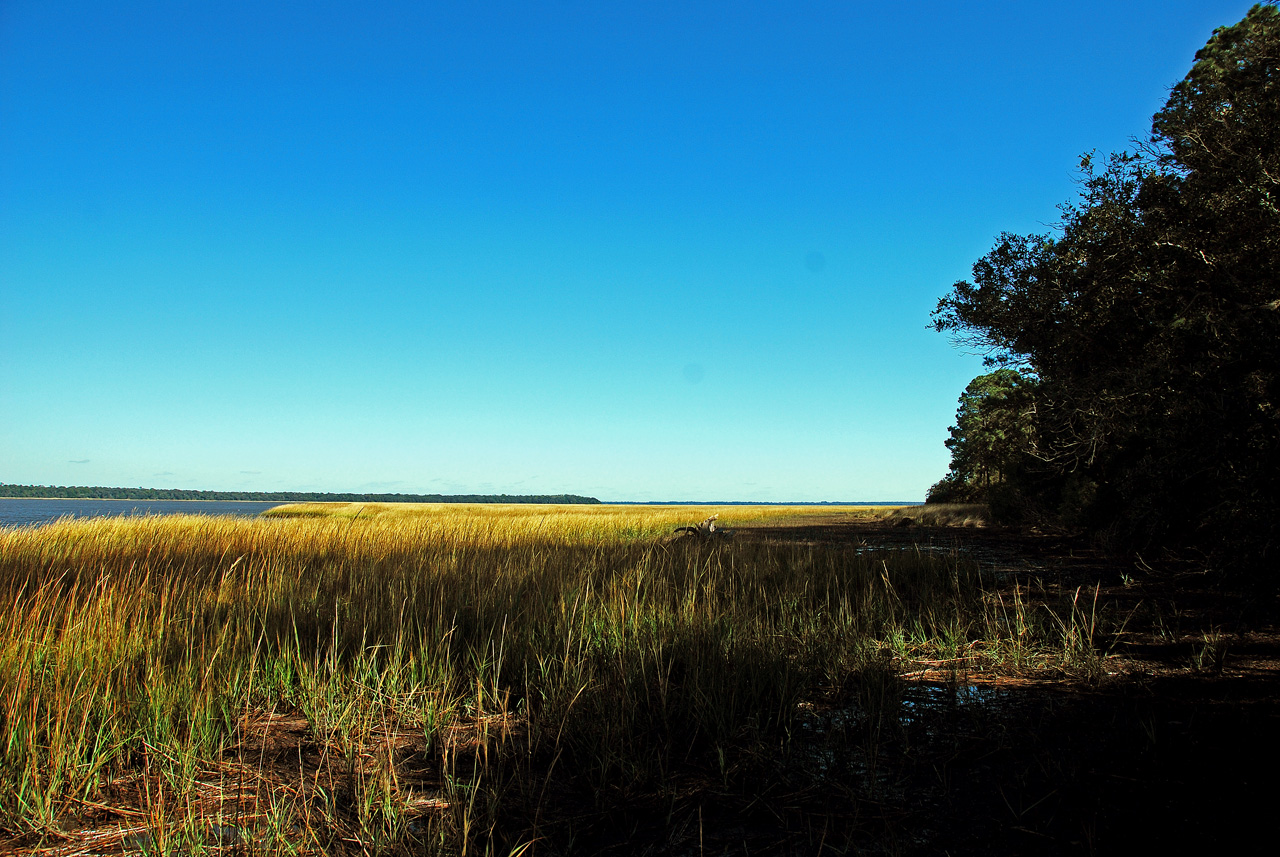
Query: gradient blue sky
634	250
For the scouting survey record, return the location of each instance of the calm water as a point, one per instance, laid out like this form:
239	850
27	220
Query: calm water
23	511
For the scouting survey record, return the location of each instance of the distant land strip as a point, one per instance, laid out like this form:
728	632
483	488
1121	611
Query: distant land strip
767	502
60	492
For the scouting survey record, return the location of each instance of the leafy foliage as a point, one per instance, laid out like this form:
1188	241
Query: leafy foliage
1151	318
992	440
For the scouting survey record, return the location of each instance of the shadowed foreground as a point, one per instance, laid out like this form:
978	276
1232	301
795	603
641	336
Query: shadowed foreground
554	680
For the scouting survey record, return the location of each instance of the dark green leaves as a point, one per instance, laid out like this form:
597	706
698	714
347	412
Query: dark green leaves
1145	319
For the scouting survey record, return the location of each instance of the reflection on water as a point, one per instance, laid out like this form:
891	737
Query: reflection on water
845	742
26	511
919	699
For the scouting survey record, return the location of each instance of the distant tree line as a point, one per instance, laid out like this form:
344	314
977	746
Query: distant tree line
1135	351
100	493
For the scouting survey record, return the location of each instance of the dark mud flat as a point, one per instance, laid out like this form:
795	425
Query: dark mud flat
1172	750
1006	771
1070	558
1129	770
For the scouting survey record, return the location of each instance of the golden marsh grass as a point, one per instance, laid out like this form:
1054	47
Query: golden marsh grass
450	679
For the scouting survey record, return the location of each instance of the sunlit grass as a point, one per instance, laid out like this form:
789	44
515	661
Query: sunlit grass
576	518
942	515
447	675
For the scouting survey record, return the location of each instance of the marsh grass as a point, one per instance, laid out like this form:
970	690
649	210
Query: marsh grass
941	515
453	679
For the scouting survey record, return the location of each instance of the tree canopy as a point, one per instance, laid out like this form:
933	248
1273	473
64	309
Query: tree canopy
991	440
1150	318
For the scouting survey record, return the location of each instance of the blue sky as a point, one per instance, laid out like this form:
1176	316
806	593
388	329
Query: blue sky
639	251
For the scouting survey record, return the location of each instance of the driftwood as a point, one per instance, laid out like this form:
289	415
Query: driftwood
705	530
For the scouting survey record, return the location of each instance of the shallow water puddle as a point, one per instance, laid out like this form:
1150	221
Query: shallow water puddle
919	699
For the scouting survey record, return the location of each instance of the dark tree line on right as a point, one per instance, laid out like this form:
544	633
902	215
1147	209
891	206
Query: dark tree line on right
1136	350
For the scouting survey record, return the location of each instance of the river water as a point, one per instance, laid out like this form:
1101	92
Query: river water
24	511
